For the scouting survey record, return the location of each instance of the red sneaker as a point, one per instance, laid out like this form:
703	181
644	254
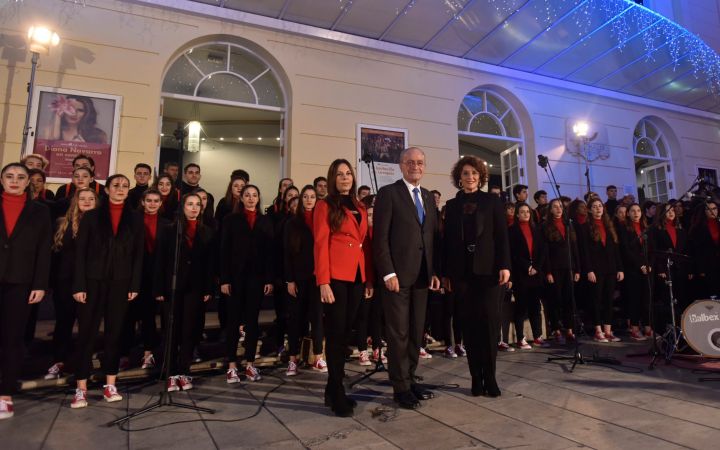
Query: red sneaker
185	382
172	384
599	337
6	409
110	393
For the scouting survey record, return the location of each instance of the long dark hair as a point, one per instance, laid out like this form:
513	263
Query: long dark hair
595	234
661	211
628	221
698	217
181	214
277	202
298	221
519	205
230	202
336	215
552	233
285	207
258	208
87	126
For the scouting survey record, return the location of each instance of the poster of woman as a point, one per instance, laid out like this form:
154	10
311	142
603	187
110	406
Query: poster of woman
69	123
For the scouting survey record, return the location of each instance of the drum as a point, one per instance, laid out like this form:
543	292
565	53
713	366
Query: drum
701	327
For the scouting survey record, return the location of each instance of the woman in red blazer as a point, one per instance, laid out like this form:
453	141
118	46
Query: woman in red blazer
342	267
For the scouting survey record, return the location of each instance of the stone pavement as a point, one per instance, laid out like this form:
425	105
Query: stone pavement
543	406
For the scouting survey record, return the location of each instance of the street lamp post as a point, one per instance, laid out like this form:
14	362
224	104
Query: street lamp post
40	39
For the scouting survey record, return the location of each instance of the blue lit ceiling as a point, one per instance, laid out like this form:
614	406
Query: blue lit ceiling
609	44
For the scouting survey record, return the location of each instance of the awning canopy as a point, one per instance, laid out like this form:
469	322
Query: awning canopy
616	45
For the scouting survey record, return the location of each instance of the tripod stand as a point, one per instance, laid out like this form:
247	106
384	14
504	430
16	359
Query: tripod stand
577	356
165	398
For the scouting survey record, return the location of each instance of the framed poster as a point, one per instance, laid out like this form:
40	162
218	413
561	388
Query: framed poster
65	123
708	175
379	147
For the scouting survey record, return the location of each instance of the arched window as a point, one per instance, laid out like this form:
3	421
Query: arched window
484	112
652	161
224	71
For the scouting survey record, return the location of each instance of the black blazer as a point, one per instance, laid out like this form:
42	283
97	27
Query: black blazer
704	253
298	243
63	260
400	242
195	268
631	250
104	256
169	208
148	276
245	252
597	258
25	255
492	248
660	241
522	259
557	252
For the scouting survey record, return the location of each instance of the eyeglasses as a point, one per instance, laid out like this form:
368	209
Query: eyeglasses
415	163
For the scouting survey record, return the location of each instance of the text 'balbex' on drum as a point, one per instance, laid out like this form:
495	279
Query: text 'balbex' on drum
701	327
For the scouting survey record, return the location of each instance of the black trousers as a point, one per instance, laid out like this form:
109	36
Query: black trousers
280	301
527	305
106	300
244	303
14	313
559	301
480	306
507	312
377	321
362	322
601	294
141	310
303	309
187	307
65	314
339	318
452	318
405	320
637	296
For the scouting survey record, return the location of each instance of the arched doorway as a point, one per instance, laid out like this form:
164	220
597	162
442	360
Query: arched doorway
235	101
653	165
489	128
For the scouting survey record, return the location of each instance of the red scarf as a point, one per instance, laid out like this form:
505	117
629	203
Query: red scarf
714	229
12	206
603	232
527	232
638	230
510	220
671	231
115	214
151	221
251	217
308	218
560	226
190	232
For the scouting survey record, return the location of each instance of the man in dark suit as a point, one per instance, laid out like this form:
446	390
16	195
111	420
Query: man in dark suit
405	226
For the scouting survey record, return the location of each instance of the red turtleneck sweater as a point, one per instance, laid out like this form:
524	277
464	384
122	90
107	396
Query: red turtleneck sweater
12	206
151	221
308	218
714	229
560	226
191	231
603	232
115	214
527	232
510	220
638	230
251	217
581	219
671	231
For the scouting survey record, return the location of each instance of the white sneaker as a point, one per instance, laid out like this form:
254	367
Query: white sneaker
320	365
79	400
148	362
231	376
424	354
252	374
523	345
54	371
172	384
185	382
6	409
364	359
110	393
292	369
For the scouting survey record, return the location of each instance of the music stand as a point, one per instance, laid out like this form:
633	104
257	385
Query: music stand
165	397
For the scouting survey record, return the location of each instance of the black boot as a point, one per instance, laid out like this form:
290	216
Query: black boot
491	387
478	387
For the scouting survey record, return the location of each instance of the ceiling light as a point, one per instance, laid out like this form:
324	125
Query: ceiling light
239	138
222	138
277	138
259	138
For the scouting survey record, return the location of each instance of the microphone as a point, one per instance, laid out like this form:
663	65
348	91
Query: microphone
542	161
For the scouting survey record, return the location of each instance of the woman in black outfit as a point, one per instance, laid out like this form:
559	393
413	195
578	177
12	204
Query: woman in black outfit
528	263
304	297
281	297
194	283
704	250
170	196
559	276
108	273
476	264
61	277
246	274
634	248
25	237
231	203
667	235
602	265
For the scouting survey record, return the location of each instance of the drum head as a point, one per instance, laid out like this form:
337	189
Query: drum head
701	327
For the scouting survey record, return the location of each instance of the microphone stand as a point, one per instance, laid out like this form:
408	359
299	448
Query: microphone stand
165	398
577	356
